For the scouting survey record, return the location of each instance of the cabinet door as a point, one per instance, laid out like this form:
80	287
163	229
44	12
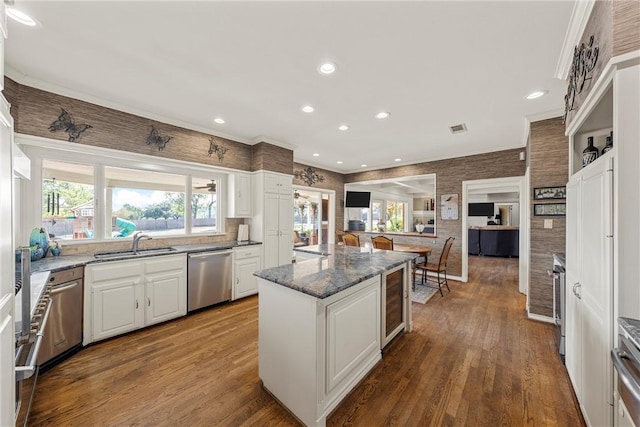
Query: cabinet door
596	294
7	353
285	223
280	184
245	282
117	307
239	195
165	297
271	230
572	316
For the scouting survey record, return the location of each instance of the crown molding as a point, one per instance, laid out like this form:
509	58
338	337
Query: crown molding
261	138
26	80
577	23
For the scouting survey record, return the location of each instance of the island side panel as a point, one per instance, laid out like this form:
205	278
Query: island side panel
287	348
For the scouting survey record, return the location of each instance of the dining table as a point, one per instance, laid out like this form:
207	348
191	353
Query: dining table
419	250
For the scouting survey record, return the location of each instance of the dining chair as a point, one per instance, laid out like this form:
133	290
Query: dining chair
351	239
382	242
440	268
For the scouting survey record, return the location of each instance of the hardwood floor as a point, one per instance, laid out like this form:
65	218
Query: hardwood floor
472	359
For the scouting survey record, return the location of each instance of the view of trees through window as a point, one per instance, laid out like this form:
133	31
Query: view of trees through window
386	215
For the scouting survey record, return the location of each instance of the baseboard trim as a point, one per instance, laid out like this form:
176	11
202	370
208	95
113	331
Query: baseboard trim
539	318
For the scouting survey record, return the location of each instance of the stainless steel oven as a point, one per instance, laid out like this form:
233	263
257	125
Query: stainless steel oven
34	310
626	360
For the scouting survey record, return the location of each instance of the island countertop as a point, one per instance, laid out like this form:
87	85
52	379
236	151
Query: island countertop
337	268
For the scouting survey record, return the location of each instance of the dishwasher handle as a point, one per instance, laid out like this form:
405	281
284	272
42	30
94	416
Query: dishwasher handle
208	254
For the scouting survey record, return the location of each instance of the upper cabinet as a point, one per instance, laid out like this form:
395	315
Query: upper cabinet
239	199
279	184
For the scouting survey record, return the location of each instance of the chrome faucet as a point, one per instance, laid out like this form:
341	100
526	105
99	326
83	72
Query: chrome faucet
137	236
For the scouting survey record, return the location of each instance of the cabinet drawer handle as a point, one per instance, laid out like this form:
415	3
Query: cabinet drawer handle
148	302
576	287
136	304
237	280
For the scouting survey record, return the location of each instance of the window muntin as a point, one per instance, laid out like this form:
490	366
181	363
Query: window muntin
68	203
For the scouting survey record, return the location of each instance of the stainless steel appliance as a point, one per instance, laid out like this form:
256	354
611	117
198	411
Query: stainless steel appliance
29	337
559	306
63	334
626	360
209	279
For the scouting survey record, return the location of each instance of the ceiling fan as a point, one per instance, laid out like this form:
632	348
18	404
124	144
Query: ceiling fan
297	195
211	186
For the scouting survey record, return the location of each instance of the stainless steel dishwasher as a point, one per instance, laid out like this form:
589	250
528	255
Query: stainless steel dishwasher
209	279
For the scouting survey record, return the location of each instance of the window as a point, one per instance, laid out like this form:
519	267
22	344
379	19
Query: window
395	216
67	199
98	194
145	201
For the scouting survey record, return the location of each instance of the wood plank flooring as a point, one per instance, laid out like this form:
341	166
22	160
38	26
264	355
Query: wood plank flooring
473	359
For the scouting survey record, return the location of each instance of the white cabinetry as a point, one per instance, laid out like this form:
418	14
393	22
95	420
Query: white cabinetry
247	260
239	199
122	296
314	351
589	289
272	220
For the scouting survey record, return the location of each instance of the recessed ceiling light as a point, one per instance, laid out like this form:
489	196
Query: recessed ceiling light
363	165
219	120
343	127
308	109
20	17
397	160
383	115
339	162
315	154
327	68
537	94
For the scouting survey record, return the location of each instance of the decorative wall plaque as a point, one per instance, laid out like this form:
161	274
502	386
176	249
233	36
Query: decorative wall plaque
216	148
584	62
155	138
309	176
449	206
66	123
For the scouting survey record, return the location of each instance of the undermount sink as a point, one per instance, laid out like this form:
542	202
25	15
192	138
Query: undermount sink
130	253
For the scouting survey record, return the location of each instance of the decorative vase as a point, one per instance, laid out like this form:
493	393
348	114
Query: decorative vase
609	145
589	154
55	251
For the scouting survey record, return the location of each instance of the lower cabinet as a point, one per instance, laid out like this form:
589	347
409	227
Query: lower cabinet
121	296
247	260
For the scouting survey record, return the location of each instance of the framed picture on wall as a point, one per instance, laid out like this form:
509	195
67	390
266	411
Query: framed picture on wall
550	209
544	193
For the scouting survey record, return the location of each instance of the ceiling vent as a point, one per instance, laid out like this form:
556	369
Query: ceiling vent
458	128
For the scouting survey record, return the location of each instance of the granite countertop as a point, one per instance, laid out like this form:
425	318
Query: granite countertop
631	327
62	262
339	268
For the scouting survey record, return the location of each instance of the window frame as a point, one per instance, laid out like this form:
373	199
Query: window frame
38	148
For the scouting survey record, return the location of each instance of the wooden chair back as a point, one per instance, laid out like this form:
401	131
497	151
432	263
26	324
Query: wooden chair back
351	239
382	242
442	265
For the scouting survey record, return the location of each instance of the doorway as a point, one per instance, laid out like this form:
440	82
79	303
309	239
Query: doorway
313	216
510	205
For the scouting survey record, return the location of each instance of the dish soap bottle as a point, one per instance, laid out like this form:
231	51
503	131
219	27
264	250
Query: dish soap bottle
609	145
590	154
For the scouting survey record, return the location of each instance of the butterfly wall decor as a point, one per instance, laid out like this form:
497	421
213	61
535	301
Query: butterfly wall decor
219	149
155	138
66	123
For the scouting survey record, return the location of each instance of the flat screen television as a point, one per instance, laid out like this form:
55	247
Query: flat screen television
481	209
357	199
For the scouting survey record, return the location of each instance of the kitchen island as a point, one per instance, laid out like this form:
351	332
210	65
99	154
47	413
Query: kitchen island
324	321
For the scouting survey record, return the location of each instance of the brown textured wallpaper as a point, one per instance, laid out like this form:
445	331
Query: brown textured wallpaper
549	168
449	176
626	26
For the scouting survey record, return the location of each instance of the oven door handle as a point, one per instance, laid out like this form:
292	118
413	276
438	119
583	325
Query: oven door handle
617	354
26	371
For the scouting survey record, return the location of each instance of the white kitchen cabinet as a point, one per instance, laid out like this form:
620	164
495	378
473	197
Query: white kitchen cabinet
272	220
279	184
590	289
122	296
239	200
247	260
313	352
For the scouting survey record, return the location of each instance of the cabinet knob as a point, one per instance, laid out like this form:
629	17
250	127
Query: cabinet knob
148	302
576	288
137	304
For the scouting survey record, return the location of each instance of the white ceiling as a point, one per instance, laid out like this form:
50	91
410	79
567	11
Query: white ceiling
431	64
